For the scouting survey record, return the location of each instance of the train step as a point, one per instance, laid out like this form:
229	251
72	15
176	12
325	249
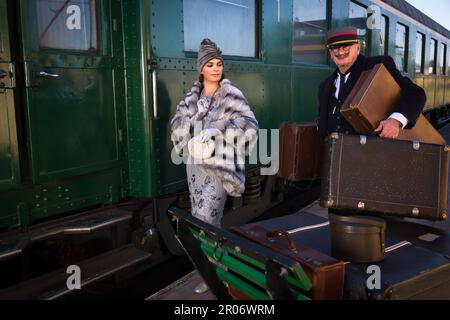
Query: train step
183	289
13	243
54	285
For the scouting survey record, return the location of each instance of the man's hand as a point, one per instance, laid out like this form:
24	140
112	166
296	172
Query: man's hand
389	128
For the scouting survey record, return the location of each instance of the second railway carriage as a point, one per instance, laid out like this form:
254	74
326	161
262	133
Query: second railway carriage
87	89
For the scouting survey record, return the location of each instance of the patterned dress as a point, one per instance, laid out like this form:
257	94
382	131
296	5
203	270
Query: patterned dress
206	191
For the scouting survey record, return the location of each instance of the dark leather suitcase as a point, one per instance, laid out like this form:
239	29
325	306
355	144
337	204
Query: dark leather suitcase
325	273
412	268
408	272
384	176
300	151
373	98
425	276
433	236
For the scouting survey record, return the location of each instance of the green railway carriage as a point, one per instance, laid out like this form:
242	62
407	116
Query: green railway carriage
87	89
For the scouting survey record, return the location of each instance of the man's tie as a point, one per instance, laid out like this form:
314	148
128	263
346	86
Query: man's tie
341	87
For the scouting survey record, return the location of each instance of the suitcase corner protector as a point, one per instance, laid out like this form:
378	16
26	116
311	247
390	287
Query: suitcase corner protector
327	203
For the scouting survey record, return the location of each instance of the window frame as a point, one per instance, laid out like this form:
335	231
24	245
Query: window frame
367	35
386	35
406	48
99	51
422	60
327	23
443	69
434	66
257	55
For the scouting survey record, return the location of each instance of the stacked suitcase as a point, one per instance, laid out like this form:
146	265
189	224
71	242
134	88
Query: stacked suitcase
300	152
372	100
375	177
416	263
364	174
388	177
384	176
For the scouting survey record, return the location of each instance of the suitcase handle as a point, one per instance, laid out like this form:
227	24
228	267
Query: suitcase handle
281	233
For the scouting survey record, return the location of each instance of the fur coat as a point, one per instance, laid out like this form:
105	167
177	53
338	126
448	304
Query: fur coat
238	128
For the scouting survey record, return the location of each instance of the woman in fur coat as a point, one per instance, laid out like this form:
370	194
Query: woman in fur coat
214	112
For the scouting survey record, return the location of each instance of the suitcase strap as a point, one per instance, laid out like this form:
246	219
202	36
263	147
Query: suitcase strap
281	233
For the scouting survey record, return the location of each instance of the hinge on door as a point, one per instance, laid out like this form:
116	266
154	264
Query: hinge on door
7	75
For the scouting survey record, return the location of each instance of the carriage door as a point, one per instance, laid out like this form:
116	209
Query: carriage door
70	93
9	158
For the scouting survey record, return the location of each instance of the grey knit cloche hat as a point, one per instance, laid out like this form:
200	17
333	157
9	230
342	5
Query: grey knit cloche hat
208	50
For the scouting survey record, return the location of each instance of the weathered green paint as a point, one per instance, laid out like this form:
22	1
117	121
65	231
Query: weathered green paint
276	89
143	142
227	259
338	13
29	204
242	286
276	32
75	124
64	113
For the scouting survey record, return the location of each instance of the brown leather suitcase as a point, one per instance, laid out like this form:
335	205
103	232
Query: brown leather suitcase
325	273
422	131
300	152
373	98
385	176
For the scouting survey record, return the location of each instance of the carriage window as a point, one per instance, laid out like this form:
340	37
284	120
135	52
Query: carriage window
442	58
358	19
70	25
384	34
433	56
310	28
401	50
420	49
231	24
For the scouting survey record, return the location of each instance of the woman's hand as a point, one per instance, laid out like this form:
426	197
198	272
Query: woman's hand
207	134
202	106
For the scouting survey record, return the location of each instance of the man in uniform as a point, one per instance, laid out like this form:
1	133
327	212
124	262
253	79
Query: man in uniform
344	50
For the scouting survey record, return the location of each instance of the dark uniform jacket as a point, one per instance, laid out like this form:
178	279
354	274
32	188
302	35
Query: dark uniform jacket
410	105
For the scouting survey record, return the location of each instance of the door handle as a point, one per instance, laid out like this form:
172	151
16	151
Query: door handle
48	75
